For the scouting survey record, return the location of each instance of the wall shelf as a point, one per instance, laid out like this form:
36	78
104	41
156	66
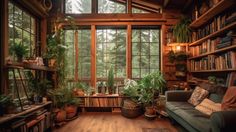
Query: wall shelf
214	52
29	66
218	8
208	71
217	33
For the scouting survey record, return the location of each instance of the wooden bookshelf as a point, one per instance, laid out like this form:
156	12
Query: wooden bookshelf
209	71
214	52
33	108
215	34
218	8
29	66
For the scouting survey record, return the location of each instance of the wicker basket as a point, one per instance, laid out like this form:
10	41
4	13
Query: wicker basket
131	109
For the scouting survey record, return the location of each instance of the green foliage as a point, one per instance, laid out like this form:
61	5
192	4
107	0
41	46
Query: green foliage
19	50
5	100
131	90
181	30
110	81
149	86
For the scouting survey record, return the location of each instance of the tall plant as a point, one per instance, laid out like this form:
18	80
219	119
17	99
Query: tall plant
110	81
181	30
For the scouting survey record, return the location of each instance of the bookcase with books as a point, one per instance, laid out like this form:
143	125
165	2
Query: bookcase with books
213	47
35	119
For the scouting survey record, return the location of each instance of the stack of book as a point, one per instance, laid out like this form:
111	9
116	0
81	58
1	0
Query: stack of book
226	41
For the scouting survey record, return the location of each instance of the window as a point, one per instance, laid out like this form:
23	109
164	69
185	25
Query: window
111	51
145	51
108	6
78	6
22	29
137	10
84	53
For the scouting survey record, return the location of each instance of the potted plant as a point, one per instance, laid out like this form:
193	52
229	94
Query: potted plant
19	50
150	87
181	30
131	107
110	81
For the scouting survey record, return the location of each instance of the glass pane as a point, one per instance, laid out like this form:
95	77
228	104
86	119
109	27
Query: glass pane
154	36
78	6
18	17
136	10
136	62
135	73
154	62
136	35
135	48
155	50
33	25
108	6
26	22
145	36
144	61
144	72
145	49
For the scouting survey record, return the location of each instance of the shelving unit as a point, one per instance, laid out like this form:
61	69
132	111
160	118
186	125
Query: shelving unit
218	8
207	59
30	66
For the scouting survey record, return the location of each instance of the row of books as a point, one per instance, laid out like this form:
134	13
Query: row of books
216	24
215	62
211	45
101	102
38	121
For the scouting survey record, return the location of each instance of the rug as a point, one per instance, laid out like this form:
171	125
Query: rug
155	130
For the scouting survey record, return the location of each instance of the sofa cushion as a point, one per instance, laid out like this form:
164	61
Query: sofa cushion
192	116
208	107
198	95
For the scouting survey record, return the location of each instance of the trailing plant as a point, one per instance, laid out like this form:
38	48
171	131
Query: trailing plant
181	30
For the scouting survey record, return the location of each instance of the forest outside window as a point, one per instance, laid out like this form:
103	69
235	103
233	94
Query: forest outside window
111	52
81	70
108	6
145	51
78	6
22	29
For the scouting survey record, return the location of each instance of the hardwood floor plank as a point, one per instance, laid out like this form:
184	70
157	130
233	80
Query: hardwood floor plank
112	122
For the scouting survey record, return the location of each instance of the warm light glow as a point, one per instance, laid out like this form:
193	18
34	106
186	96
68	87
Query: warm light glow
178	48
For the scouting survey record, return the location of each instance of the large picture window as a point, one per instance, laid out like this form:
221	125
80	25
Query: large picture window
78	6
22	29
84	53
145	51
111	52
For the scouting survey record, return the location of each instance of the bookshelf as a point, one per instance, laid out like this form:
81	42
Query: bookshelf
218	8
36	117
213	50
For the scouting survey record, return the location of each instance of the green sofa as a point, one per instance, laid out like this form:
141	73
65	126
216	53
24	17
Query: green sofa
193	120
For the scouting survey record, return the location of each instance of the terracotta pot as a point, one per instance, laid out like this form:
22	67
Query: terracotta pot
61	115
150	110
71	111
52	62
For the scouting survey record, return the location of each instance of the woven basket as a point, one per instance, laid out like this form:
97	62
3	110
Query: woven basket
131	109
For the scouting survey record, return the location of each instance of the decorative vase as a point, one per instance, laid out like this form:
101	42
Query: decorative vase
149	110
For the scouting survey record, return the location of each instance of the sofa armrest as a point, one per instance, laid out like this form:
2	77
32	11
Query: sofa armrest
178	95
223	121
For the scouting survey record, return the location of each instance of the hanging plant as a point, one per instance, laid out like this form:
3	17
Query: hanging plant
181	30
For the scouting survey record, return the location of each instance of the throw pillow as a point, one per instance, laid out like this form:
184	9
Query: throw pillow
198	95
208	107
229	99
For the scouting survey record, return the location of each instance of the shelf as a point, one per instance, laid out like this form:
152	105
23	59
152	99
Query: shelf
101	96
209	71
212	12
214	52
18	65
9	117
217	33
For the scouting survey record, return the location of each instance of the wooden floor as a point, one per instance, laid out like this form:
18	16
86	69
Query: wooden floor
113	122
